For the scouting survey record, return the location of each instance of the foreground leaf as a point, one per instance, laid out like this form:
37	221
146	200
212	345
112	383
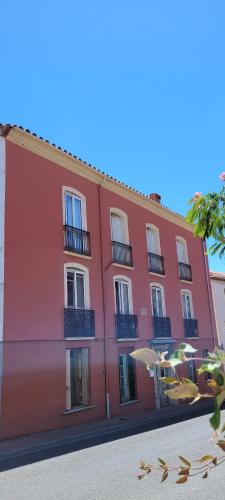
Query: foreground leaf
187	347
147	356
186	390
206	458
182	479
221	444
185	461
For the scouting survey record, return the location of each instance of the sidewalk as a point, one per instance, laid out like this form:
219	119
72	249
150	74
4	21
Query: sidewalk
85	435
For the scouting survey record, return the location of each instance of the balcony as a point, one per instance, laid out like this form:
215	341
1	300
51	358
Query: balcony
155	263
122	254
126	326
191	328
185	271
161	327
76	240
79	323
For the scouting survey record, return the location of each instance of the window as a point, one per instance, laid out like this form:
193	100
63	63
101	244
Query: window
182	255
123	296
158	306
153	243
127	378
119	226
73	210
77	378
76	287
192	374
187	305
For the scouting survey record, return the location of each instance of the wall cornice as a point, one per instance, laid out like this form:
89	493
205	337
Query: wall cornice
56	155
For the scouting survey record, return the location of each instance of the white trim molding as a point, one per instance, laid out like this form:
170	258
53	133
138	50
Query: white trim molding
2	247
85	271
74	192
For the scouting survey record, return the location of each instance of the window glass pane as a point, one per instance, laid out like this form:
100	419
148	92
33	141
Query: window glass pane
80	290
118	228
118	309
152	241
181	252
154	302
70	289
186	302
159	302
77	213
68	210
125	298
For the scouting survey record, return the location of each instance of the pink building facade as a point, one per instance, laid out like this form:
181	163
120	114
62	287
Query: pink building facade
89	271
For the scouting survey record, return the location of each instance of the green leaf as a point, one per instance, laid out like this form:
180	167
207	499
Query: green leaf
162	462
185	461
221	444
208	367
186	390
220	398
215	418
169	380
206	458
186	347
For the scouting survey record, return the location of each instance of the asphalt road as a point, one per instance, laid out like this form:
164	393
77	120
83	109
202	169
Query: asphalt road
109	471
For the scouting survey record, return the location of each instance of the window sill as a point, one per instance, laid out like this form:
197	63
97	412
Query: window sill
127	403
78	409
186	281
79	338
122	265
192	338
82	256
128	340
159	275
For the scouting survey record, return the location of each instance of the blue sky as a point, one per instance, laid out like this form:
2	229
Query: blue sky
136	88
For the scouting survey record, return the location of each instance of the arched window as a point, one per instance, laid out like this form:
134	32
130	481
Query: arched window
153	240
158	300
187	304
74	208
76	287
119	226
123	295
182	254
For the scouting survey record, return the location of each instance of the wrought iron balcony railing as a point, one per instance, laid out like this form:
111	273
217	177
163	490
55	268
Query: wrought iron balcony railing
155	263
191	328
185	271
122	254
161	326
79	322
76	240
126	326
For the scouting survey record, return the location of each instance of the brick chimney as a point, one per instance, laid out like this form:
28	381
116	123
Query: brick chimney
155	197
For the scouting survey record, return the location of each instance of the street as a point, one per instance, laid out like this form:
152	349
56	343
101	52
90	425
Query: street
109	471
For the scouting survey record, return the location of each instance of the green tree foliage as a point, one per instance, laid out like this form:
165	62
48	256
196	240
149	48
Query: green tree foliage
207	214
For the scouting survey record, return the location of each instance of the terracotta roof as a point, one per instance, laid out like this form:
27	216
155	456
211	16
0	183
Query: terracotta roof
217	276
5	129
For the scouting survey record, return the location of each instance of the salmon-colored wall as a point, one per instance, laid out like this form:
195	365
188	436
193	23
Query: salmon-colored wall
33	393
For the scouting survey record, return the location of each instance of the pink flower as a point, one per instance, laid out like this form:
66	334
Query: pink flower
196	196
222	176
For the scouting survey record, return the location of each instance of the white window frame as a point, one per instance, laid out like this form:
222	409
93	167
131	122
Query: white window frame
77	194
124	217
68	380
157	235
130	296
153	285
187	292
184	243
85	271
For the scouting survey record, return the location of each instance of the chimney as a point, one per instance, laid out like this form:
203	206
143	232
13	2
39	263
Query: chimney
155	197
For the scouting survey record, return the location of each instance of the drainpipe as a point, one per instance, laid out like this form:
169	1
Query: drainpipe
209	293
106	364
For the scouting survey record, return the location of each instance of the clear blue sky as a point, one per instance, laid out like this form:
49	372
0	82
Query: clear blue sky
136	88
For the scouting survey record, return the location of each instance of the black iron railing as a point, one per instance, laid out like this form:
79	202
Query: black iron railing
161	326
76	240
155	263
122	254
191	328
185	271
126	326
79	323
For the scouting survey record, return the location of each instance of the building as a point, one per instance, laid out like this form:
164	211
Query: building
218	293
90	270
